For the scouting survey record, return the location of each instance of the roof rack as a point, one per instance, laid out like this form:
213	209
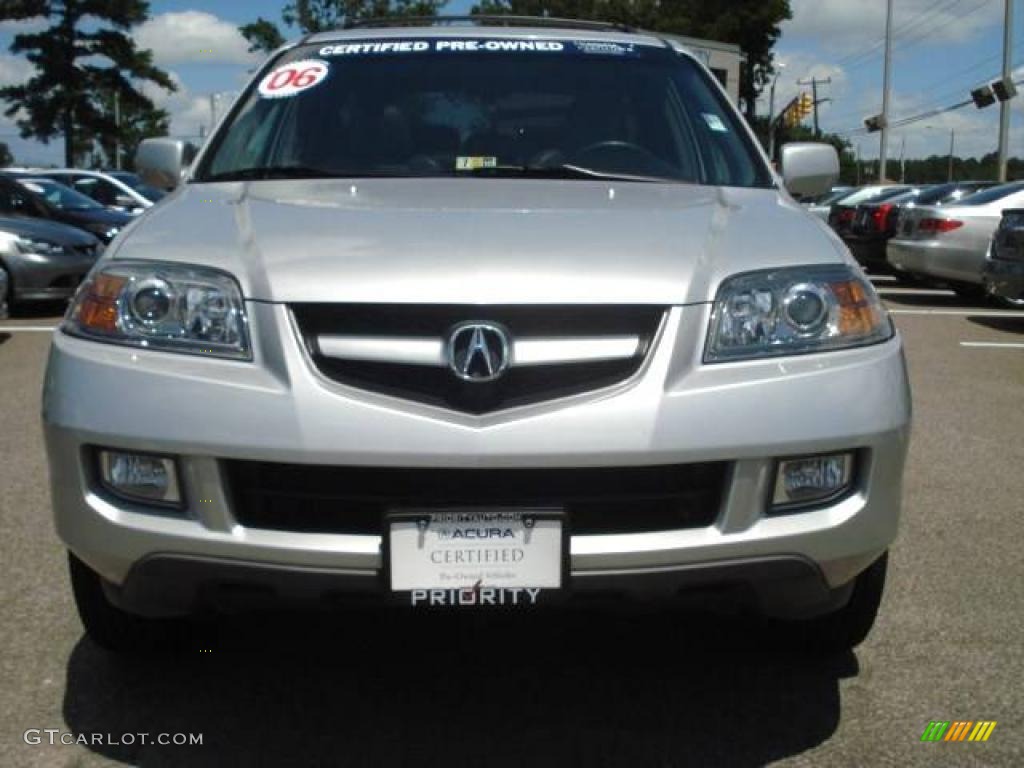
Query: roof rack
497	20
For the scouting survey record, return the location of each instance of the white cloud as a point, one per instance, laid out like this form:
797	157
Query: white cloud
14	70
33	24
193	37
854	25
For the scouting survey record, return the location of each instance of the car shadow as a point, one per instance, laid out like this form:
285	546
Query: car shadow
1006	324
37	310
454	689
4	337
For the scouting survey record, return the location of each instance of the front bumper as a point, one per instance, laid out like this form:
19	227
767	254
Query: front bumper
675	411
935	258
40	277
1005	278
868	251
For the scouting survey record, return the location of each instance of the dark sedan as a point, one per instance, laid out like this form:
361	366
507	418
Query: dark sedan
43	198
42	259
1004	268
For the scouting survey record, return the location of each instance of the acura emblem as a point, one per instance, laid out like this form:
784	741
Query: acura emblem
478	352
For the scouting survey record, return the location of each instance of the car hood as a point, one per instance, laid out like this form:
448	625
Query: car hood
97	216
479	240
53	231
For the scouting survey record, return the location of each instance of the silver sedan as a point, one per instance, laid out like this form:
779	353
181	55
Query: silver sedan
950	243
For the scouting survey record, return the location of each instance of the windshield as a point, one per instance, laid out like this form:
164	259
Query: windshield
992	194
132	180
864	194
59	196
832	197
485	107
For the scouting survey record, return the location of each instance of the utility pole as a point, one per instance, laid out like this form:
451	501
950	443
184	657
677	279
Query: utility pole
213	110
903	165
952	143
117	130
771	115
858	164
814	83
883	149
1004	106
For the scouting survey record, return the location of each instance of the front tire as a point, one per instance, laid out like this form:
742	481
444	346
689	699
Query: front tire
113	629
846	628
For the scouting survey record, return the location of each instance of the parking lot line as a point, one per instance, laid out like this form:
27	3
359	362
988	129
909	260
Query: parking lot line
994	344
28	328
959	312
914	292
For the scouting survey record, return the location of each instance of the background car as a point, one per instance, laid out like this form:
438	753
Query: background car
43	198
42	260
4	289
841	214
948	243
877	221
821	206
119	190
1004	268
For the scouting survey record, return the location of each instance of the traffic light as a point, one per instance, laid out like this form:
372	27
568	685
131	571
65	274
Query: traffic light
1004	89
806	105
874	123
983	96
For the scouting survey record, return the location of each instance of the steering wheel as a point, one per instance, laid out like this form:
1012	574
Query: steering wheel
616	146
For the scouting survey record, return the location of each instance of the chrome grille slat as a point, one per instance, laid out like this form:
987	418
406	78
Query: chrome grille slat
401	350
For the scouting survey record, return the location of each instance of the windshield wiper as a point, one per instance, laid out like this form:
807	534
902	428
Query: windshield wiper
566	171
264	172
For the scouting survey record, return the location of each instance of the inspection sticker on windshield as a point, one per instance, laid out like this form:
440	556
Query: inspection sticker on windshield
293	78
714	122
475	163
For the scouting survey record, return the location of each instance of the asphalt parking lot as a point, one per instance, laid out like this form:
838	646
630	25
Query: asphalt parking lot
369	689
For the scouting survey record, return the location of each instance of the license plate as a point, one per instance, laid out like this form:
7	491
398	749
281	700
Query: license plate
476	557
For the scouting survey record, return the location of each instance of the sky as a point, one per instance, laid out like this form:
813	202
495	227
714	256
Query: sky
942	49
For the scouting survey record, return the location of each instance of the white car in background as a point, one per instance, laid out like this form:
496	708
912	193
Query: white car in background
949	243
120	190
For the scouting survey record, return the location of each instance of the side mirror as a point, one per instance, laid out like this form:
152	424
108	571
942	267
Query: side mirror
122	200
161	163
808	168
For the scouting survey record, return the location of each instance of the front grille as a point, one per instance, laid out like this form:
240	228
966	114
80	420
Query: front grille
437	385
355	500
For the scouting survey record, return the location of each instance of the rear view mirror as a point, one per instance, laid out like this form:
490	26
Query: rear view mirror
809	169
161	163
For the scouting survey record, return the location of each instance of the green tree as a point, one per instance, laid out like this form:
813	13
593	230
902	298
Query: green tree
83	58
6	158
135	125
318	15
751	24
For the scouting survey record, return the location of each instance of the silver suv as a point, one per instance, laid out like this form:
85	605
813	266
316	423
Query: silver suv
478	317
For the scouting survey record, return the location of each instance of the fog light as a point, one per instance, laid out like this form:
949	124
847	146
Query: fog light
812	479
140	476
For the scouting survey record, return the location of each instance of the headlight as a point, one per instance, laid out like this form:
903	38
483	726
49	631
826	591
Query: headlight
178	308
36	245
792	311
